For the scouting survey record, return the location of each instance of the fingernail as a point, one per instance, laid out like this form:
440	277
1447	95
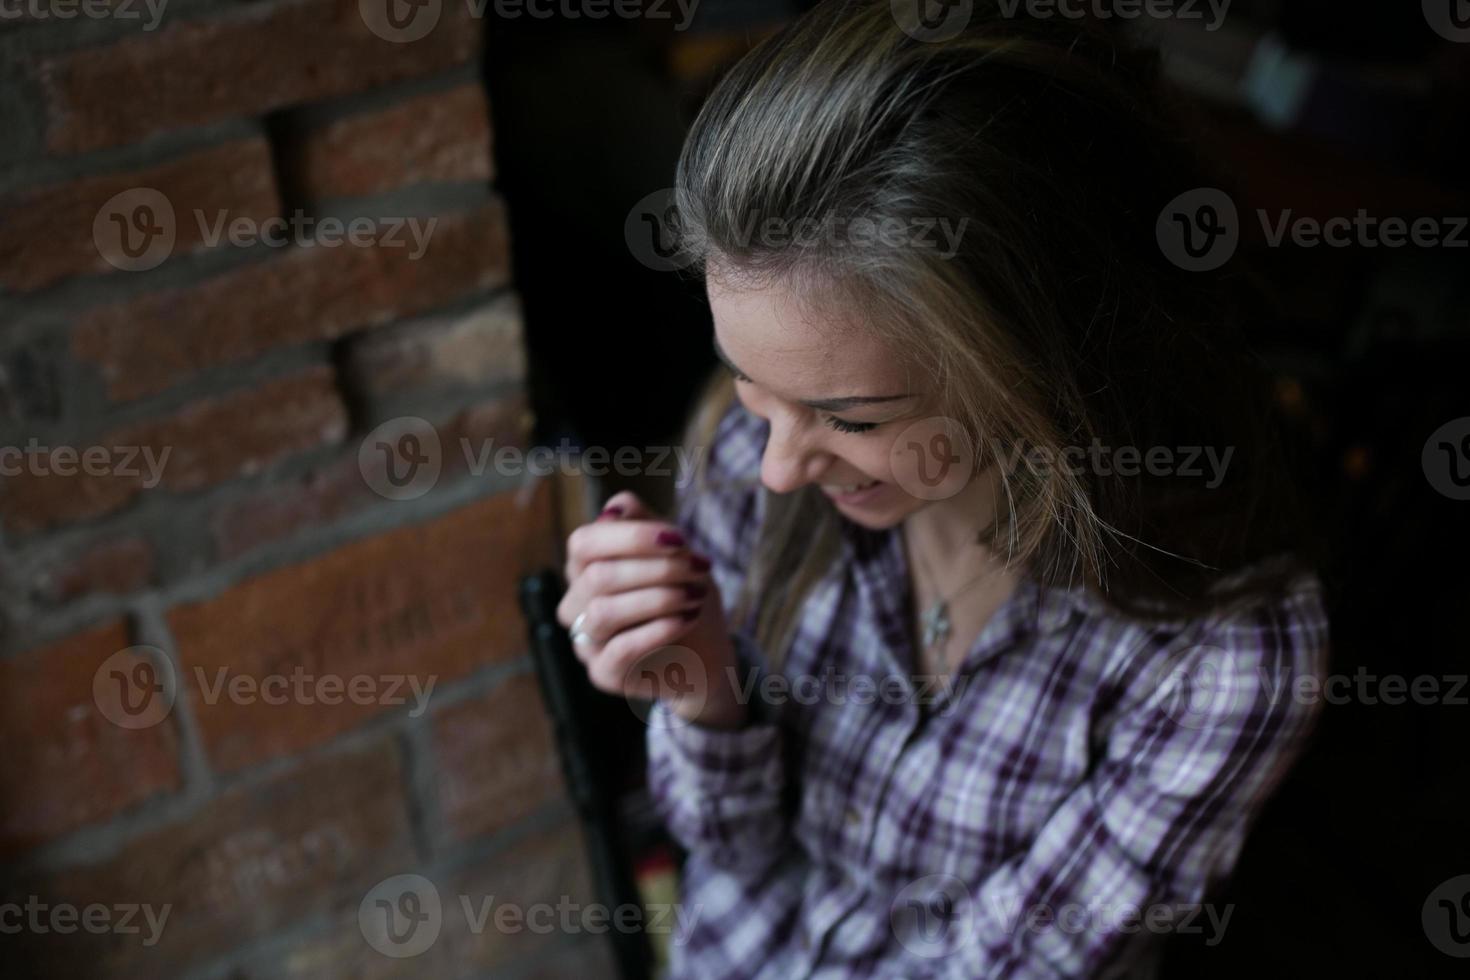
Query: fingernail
694	590
671	538
689	614
699	563
612	510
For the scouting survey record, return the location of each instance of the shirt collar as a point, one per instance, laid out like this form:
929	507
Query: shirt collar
1033	610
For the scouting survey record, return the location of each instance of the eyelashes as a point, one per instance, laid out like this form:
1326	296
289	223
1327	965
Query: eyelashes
843	426
840	425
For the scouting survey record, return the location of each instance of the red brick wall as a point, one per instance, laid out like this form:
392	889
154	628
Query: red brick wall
249	681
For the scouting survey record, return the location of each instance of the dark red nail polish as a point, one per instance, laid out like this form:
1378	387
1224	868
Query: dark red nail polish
699	563
671	538
613	510
694	590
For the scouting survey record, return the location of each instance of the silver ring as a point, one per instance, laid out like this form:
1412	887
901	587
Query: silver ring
577	623
578	637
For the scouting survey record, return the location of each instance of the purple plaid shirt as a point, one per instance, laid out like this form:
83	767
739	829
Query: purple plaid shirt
1075	791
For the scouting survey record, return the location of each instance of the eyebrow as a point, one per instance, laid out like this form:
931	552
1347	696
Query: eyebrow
825	404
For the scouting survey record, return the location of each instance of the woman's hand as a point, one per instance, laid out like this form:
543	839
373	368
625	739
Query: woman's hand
648	617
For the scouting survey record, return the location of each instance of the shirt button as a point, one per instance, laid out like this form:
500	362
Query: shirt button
852	817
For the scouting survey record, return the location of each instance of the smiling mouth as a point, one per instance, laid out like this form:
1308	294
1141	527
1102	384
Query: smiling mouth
847	488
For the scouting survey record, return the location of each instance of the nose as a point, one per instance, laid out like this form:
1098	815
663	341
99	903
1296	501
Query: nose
790	461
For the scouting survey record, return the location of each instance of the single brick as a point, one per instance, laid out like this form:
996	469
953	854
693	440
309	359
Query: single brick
49	233
296	656
239	63
480	347
66	764
439	137
207	442
151	343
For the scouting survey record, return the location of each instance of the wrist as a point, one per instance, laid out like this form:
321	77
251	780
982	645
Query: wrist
717	711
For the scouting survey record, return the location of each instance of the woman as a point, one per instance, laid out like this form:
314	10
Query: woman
974	645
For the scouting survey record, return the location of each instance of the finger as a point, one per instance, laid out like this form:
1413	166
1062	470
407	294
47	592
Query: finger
611	669
625	504
608	615
620	539
616	575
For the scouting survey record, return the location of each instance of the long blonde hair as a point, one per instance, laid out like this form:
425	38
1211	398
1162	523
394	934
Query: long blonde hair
1057	321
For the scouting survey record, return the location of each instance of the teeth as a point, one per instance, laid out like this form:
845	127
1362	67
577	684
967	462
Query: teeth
848	487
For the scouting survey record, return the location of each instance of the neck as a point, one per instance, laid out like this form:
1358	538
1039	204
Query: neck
944	532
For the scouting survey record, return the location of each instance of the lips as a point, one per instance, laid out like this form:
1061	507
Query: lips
847	488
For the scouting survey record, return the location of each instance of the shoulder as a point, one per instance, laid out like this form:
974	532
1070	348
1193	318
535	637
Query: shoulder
1239	662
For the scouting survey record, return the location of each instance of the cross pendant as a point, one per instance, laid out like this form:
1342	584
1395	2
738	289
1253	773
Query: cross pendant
935	624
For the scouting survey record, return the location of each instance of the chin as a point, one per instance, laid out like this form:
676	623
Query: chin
874	518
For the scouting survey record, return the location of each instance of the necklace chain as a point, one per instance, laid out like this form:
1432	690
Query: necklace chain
935	622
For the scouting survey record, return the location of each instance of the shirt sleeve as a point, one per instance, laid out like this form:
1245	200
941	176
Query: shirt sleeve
720	791
1204	734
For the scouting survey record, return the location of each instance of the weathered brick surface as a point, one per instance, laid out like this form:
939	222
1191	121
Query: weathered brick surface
160	339
428	602
480	347
497	760
207	442
46	233
545	869
251	861
113	566
432	138
236	64
340	487
65	765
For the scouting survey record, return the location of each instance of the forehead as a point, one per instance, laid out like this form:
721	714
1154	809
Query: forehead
800	348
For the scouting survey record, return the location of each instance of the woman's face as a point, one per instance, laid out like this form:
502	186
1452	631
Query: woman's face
836	398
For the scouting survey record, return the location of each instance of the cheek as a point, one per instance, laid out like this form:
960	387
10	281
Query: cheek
865	454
